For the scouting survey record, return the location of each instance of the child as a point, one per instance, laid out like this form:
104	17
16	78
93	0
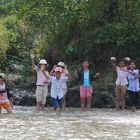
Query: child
4	101
65	88
42	83
86	77
57	82
121	82
134	85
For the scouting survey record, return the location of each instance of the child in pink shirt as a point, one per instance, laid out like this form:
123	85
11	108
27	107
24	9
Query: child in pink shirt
4	101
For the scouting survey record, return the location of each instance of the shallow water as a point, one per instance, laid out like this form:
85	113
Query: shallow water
99	124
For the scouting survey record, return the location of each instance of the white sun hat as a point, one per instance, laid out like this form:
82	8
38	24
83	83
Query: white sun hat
3	75
127	58
43	61
113	58
61	64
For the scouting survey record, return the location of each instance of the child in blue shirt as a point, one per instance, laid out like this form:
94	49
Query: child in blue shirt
134	84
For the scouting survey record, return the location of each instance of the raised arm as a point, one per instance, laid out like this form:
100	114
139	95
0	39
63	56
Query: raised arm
113	63
33	61
53	70
67	72
69	76
97	75
45	74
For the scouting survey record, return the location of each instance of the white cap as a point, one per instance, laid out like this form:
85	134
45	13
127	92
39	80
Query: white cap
61	64
113	58
43	61
127	58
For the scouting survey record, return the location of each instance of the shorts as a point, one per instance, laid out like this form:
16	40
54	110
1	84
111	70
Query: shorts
86	92
5	105
65	91
41	94
134	98
57	103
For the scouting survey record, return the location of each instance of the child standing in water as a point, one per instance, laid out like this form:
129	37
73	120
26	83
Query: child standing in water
65	88
4	101
134	84
86	77
42	83
121	82
57	82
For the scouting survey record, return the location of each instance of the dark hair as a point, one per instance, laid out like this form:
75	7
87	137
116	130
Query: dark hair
122	60
132	61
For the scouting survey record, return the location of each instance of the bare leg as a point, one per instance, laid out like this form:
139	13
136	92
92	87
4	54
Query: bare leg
9	110
58	111
133	109
42	107
83	104
89	103
123	92
38	106
64	103
117	92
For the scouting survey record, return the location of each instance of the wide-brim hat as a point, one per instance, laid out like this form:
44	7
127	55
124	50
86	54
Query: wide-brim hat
2	75
43	61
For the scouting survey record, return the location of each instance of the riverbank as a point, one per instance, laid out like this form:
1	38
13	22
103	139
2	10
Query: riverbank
103	97
103	92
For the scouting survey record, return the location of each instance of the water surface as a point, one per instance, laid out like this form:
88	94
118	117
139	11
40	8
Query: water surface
99	124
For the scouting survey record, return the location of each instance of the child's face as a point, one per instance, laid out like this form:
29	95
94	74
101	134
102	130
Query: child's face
61	67
57	74
121	64
85	65
1	80
132	65
42	66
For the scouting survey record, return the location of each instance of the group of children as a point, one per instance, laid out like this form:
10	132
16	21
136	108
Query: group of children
127	79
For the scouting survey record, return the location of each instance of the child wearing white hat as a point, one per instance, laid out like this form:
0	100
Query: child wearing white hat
42	83
65	88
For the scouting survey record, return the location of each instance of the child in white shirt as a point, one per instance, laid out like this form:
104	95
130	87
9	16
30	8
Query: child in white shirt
57	82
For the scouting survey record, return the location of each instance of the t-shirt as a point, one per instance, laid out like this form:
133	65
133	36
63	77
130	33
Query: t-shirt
86	81
40	76
57	86
3	95
134	84
121	77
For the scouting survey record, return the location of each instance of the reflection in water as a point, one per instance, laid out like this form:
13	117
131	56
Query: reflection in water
99	124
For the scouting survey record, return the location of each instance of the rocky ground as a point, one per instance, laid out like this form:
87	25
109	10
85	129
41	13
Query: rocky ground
103	92
102	98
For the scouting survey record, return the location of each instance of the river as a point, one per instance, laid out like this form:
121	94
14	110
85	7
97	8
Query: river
99	124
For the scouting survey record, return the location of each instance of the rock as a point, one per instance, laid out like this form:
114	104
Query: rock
103	97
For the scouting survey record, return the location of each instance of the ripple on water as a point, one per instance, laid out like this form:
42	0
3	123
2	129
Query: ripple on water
99	124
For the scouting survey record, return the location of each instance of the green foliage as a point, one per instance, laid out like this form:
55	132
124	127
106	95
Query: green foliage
74	29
